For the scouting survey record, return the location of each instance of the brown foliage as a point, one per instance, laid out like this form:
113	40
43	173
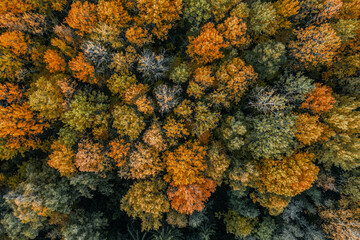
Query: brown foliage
154	138
144	162
90	157
340	224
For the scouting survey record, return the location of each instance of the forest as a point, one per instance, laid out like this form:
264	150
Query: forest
180	119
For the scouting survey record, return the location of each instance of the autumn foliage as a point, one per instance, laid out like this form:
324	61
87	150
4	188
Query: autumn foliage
189	198
319	100
180	119
289	176
186	164
207	46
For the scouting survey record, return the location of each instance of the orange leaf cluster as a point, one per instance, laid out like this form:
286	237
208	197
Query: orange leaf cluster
186	164
113	13
62	159
54	61
309	130
174	129
18	124
82	16
319	100
287	8
14	41
14	6
10	93
189	198
203	76
350	9
288	176
119	151
158	13
316	45
82	69
138	36
234	31
330	9
206	47
144	105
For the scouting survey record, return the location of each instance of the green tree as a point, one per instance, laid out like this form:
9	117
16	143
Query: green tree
267	58
271	136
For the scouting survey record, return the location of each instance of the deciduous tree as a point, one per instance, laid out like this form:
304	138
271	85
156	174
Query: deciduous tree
82	17
189	198
146	201
206	47
315	45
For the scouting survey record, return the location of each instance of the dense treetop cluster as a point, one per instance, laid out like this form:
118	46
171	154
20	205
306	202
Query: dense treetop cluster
180	119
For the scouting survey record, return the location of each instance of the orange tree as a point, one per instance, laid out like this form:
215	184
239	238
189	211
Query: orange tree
206	47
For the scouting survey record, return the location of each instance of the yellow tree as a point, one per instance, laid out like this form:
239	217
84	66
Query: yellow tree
160	14
62	159
146	201
288	176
